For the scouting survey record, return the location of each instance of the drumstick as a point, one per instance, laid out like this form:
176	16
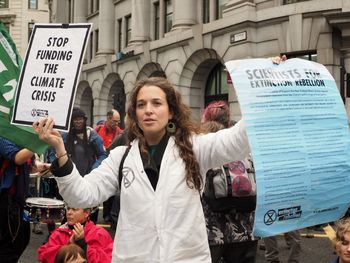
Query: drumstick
43	173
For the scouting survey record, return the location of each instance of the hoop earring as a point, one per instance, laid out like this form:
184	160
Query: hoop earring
171	127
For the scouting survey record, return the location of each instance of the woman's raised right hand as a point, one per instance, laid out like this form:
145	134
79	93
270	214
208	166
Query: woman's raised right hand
44	128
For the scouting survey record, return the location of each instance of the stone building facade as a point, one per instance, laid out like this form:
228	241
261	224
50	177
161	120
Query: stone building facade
19	16
189	40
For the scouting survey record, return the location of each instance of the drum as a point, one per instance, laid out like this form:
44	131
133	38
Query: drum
45	209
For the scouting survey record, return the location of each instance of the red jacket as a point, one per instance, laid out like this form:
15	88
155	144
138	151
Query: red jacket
98	240
107	134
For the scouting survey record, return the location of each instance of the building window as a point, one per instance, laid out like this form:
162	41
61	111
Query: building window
344	83
156	20
96	41
30	30
168	16
91	47
128	30
91	6
216	87
220	6
94	6
206	11
33	4
347	85
119	35
4	3
286	2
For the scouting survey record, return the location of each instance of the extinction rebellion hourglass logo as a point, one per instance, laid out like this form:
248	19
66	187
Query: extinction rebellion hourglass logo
39	113
282	214
270	217
128	177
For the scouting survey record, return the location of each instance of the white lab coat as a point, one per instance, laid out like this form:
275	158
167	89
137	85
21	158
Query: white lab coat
166	225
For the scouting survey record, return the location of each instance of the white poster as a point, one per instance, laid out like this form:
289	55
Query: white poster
50	73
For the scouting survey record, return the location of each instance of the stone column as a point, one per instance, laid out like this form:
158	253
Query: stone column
80	11
106	27
184	14
140	21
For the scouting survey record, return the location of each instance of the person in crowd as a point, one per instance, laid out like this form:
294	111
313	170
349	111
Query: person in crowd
84	146
109	131
121	139
293	241
15	166
230	230
70	253
95	241
341	241
161	217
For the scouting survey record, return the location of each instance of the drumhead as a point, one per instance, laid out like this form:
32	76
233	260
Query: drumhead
43	202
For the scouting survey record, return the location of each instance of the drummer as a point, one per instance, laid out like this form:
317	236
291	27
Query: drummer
94	240
15	167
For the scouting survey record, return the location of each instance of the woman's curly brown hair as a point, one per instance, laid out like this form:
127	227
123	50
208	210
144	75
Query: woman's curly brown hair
185	127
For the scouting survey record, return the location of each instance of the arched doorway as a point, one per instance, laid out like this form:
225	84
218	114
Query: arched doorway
151	70
84	100
216	86
158	73
87	105
203	80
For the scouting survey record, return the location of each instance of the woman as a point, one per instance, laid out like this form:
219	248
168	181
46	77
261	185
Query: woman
161	217
229	230
341	241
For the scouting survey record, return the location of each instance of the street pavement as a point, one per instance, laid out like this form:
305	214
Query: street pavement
316	246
